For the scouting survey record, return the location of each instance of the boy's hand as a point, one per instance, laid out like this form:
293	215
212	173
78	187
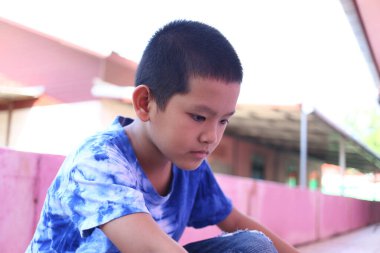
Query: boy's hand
139	233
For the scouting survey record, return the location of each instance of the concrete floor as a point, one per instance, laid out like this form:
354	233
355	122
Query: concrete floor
365	240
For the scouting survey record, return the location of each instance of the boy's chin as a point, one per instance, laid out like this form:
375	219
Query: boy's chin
192	166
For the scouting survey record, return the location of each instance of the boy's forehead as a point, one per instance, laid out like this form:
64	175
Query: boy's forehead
204	108
211	92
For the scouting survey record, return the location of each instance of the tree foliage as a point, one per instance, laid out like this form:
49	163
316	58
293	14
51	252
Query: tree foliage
365	125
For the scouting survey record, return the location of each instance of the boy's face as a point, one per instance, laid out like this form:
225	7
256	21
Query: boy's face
192	124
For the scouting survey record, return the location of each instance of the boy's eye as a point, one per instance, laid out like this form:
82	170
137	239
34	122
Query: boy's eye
198	118
224	121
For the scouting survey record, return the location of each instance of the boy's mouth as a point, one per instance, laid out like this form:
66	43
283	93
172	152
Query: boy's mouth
200	154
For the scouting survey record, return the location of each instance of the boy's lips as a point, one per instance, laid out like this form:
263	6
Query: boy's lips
200	154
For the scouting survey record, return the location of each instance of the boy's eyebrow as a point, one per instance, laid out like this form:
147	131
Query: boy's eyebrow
208	110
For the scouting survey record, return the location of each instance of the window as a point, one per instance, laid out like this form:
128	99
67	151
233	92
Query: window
258	167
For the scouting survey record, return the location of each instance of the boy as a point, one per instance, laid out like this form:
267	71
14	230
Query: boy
136	186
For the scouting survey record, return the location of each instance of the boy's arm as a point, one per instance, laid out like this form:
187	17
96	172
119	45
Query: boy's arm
139	233
237	220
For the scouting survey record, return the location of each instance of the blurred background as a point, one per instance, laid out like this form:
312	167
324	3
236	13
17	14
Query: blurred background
308	116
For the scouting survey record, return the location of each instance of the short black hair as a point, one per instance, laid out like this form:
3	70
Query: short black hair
183	49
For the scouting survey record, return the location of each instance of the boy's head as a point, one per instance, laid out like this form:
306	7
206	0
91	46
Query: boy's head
182	50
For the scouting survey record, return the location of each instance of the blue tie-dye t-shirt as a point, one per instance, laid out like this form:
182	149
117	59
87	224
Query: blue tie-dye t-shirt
103	181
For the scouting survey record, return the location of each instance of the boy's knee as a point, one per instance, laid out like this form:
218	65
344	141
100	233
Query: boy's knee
243	241
250	241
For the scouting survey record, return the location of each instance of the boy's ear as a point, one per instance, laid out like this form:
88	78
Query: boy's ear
141	98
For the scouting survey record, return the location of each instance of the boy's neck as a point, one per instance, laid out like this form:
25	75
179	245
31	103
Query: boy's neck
155	166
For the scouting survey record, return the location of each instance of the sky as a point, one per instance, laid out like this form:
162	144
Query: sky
294	51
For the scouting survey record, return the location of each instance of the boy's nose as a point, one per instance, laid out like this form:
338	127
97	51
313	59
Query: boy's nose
209	135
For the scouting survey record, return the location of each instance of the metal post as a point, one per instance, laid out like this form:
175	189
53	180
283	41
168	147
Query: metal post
342	162
9	123
303	148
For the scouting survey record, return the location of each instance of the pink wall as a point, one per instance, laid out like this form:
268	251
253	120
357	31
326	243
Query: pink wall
290	212
17	184
297	215
339	214
24	179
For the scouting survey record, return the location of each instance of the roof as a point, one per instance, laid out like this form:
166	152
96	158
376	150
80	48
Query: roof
364	16
8	94
279	127
369	14
12	91
104	89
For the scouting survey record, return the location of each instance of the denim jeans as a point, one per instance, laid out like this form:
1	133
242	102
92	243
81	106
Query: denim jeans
244	241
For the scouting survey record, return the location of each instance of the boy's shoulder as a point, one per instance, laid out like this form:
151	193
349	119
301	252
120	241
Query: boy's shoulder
115	131
102	156
113	141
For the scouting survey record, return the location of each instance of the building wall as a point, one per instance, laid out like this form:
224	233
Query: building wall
35	59
223	158
234	156
57	129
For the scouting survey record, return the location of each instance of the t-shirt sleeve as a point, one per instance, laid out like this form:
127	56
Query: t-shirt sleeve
101	187
211	206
